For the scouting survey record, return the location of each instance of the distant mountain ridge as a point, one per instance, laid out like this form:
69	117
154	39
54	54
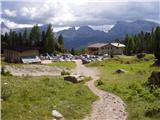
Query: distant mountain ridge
85	35
4	28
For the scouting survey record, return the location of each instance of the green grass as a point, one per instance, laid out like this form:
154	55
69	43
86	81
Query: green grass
66	64
69	65
33	98
131	86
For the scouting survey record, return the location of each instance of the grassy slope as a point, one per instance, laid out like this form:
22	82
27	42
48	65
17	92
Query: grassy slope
28	98
130	86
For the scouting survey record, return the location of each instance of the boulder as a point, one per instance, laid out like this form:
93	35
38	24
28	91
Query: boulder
74	78
120	71
56	114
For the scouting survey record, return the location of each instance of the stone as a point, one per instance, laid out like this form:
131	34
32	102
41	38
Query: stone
120	71
74	78
56	114
5	83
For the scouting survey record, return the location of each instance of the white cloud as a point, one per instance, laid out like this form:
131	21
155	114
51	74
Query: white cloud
10	13
29	12
13	25
64	13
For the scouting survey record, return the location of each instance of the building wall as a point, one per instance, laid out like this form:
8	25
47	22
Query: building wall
108	49
11	56
29	53
113	49
93	51
15	56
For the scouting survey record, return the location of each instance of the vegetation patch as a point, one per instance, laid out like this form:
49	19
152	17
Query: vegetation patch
65	72
143	103
28	98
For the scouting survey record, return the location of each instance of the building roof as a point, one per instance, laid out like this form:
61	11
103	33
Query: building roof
118	45
97	45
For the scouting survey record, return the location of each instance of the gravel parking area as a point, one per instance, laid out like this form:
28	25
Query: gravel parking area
34	70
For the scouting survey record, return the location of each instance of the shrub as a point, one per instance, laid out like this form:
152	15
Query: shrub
112	55
5	73
99	82
65	73
5	92
154	80
151	112
140	55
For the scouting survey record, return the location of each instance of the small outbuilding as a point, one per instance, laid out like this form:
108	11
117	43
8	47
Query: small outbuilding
21	55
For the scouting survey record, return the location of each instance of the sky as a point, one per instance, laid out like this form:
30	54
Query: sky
99	14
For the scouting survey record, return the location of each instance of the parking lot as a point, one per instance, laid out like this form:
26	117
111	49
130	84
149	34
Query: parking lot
48	58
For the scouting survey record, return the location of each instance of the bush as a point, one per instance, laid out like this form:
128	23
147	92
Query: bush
152	112
112	55
5	92
5	73
65	73
154	80
99	82
140	55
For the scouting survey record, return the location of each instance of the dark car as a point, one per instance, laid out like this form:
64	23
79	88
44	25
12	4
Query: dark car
85	61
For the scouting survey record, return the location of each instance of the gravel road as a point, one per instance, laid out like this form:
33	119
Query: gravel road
108	106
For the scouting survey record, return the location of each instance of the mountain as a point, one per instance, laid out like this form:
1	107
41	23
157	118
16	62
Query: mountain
4	28
86	35
81	37
122	28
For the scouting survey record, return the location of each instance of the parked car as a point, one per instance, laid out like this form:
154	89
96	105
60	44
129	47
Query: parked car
85	61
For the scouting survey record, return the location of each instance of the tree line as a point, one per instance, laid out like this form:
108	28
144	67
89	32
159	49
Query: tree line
46	41
148	42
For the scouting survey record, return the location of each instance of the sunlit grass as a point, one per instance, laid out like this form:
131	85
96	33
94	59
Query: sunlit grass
130	86
33	98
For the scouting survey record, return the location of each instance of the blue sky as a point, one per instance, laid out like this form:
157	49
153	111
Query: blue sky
62	14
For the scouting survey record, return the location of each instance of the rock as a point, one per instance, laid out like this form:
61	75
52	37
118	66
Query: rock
120	71
74	78
5	83
56	114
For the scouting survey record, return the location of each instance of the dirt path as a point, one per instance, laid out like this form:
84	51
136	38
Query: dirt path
109	106
34	70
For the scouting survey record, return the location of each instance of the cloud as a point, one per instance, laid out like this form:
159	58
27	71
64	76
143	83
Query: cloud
64	13
13	25
11	13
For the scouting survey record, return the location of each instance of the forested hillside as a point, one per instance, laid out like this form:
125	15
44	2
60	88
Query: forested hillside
45	40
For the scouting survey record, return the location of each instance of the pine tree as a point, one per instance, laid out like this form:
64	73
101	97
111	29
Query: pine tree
130	45
20	41
43	39
25	37
61	43
73	52
50	40
157	44
5	40
35	36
